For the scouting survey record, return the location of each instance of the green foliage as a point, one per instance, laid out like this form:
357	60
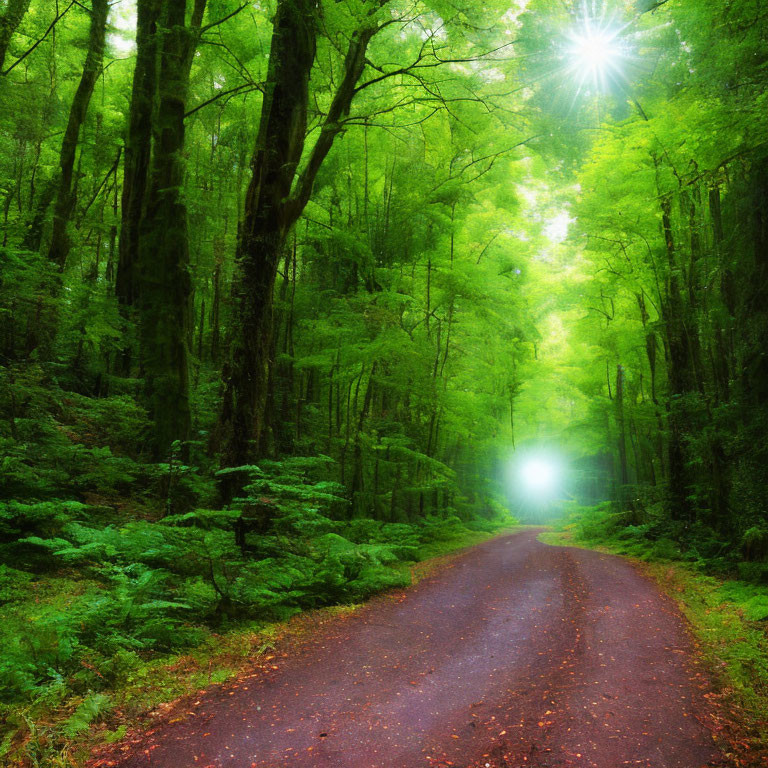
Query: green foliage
483	266
155	585
92	707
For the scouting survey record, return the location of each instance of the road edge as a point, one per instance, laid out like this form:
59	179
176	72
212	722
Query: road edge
735	726
266	646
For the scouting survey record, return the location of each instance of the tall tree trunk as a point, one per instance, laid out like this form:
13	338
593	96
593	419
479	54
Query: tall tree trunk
283	396
755	359
271	210
215	313
138	149
681	380
9	23
723	351
622	435
165	288
66	196
357	487
267	220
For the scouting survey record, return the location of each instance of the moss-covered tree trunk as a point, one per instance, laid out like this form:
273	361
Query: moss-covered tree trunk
756	298
279	146
273	204
679	374
9	23
65	197
165	285
138	150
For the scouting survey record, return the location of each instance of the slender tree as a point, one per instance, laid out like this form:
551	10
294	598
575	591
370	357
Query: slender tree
66	197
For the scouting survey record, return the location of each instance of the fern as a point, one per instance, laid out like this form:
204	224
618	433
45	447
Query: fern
90	709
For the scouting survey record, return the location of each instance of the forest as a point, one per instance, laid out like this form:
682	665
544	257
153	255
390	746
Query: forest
289	289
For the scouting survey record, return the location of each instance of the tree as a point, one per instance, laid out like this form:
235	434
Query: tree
65	195
164	284
138	149
9	23
281	187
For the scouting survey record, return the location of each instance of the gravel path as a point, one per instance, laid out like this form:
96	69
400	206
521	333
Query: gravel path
515	654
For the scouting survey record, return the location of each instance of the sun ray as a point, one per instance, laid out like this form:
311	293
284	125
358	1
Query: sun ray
595	52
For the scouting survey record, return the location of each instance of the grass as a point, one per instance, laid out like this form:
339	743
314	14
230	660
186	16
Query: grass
59	730
727	619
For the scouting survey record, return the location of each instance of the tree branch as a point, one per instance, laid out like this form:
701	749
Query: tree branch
229	16
47	32
113	169
244	87
354	64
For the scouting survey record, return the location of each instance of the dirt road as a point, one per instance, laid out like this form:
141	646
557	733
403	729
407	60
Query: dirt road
516	654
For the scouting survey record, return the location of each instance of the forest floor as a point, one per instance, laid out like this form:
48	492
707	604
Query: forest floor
512	653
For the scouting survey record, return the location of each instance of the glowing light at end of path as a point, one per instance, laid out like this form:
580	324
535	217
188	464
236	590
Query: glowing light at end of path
539	476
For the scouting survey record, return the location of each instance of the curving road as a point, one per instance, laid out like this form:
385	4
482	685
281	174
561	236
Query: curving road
516	654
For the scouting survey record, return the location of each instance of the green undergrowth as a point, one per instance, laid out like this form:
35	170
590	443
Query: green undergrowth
728	618
103	619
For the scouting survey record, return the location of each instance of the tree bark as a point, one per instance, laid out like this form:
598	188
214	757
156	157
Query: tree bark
271	209
279	146
622	435
681	380
138	150
215	313
66	196
165	287
9	23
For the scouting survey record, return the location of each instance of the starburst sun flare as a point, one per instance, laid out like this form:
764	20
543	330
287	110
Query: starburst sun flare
595	53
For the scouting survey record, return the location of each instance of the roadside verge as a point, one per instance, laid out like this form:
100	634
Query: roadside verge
64	735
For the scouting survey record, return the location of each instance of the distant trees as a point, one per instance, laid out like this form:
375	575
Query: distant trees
670	217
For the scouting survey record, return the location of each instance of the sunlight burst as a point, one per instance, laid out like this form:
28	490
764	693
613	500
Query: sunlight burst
539	476
595	53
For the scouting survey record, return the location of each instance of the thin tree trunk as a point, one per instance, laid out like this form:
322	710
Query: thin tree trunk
678	374
109	270
66	196
358	474
201	332
215	314
622	431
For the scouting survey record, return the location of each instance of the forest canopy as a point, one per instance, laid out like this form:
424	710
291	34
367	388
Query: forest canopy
291	289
